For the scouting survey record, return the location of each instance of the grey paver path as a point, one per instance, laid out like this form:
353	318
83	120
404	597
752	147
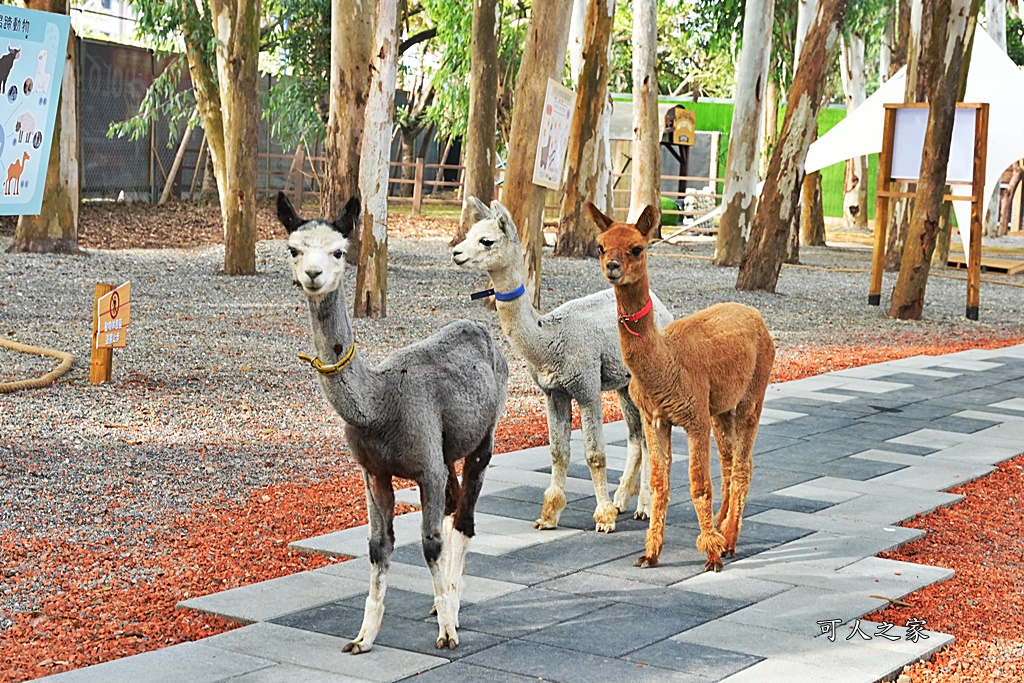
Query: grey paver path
841	459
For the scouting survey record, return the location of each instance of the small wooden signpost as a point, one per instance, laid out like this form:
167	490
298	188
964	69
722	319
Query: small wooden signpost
902	143
110	318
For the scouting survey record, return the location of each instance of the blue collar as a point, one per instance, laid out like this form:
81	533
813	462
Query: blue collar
500	296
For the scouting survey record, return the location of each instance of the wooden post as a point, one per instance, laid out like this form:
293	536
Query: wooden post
300	174
977	207
417	187
199	167
882	207
100	365
169	183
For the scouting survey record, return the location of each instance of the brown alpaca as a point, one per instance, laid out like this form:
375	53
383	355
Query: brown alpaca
705	372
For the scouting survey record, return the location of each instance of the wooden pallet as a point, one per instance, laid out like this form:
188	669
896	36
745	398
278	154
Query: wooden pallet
991	265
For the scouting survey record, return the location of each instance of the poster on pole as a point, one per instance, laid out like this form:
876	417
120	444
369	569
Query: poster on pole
33	46
553	141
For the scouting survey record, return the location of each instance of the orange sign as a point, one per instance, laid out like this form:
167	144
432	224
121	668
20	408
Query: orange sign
113	310
684	126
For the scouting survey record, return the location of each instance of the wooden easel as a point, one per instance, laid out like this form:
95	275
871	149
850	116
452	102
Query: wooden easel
885	193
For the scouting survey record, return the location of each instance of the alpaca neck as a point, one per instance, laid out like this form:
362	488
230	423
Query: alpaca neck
355	392
519	319
645	341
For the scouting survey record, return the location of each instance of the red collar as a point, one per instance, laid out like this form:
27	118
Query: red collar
623	318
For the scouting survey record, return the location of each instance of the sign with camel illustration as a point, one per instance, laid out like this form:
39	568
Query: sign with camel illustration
32	49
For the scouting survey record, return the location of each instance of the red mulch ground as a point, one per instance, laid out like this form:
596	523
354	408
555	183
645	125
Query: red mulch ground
89	618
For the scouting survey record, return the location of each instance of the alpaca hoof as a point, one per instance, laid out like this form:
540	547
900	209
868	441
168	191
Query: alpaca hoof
645	562
604	516
544	524
355	648
641	514
713	564
729	552
448	643
605	528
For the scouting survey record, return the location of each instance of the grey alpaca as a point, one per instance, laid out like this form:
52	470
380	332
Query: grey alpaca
573	353
414	416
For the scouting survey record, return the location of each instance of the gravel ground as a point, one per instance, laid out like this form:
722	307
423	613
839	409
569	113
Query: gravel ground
208	403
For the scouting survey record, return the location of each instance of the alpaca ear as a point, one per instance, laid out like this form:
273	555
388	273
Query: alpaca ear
346	222
505	222
478	210
648	220
286	214
603	221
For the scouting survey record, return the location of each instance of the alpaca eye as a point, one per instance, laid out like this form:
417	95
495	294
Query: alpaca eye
486	243
600	249
339	253
294	251
637	251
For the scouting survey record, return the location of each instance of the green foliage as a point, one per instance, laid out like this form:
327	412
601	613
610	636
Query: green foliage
300	39
163	98
1015	40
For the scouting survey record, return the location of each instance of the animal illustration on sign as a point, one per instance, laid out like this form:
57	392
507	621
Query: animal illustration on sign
6	64
14	172
42	79
25	126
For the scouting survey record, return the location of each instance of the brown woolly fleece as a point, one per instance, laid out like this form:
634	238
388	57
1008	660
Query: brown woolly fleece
706	372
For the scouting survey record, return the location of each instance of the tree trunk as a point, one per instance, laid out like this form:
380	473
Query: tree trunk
1006	204
209	194
740	193
770	232
236	25
543	58
645	186
995	21
55	229
577	39
576	235
943	63
812	216
769	129
407	155
916	90
351	47
372	273
811	187
855	195
483	110
885	48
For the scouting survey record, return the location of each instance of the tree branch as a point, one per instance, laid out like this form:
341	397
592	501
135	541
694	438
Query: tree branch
416	40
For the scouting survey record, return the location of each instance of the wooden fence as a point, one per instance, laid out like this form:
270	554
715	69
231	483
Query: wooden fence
302	179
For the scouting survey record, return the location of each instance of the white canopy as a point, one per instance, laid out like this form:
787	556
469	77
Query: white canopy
992	78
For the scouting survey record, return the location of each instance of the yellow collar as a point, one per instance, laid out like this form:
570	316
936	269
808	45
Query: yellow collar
334	368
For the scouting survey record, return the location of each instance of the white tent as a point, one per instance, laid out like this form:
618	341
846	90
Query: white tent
993	78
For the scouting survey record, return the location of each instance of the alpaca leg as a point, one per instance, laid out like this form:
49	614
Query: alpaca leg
723	426
464	524
593	444
747	420
659	441
380	504
628	484
710	541
559	428
432	493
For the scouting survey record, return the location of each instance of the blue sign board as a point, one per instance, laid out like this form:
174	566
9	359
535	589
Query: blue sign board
33	46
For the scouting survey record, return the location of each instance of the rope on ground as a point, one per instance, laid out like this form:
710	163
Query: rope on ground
66	359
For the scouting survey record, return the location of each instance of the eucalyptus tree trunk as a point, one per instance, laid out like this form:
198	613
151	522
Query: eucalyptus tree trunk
645	185
916	90
740	193
995	21
1006	205
577	38
769	127
55	229
777	208
577	236
543	58
483	110
236	25
810	223
885	50
855	195
372	272
943	60
351	48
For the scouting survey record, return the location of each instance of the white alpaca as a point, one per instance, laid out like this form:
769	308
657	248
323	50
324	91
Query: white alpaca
415	415
41	81
573	353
